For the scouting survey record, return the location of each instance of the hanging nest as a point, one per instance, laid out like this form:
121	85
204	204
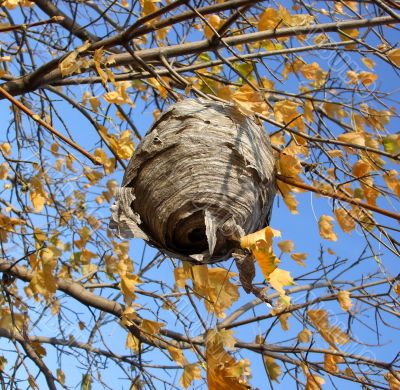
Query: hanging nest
201	178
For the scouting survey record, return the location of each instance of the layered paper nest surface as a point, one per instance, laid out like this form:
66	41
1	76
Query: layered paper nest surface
201	177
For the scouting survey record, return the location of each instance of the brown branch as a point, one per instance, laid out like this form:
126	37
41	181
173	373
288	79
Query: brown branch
336	195
49	73
87	298
203	65
55	132
71	25
54	19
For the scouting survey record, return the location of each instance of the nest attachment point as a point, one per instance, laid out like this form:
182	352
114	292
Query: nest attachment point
202	177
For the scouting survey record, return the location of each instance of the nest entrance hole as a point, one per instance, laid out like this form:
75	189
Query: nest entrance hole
197	235
190	234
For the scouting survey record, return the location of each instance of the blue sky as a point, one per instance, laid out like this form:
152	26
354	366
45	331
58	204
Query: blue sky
301	228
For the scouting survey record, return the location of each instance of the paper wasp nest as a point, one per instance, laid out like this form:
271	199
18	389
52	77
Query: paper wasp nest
202	177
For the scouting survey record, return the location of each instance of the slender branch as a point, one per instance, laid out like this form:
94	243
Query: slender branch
23	27
71	25
336	195
37	118
49	73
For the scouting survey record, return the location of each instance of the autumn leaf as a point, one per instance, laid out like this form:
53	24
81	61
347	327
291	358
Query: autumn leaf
191	372
286	246
331	334
38	194
269	19
280	278
223	371
5	148
345	219
260	244
151	327
325	224
392	182
299	258
71	63
344	300
215	21
274	370
177	355
331	361
394	56
367	78
287	112
132	342
394	382
370	64
304	336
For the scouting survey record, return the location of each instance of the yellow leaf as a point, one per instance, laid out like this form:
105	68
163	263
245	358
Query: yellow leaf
151	327
286	112
331	334
353	138
394	56
269	19
38	195
39	349
325	224
274	369
223	371
394	382
95	103
299	258
71	63
127	286
3	171
286	246
353	33
215	22
314	72
283	319
304	336
260	244
248	101
397	289
148	7
6	148
370	64
344	300
180	277
367	78
11	322
280	278
191	372
177	355
266	234
314	382
222	337
330	362
132	342
392	182
345	220
352	76
97	56
60	376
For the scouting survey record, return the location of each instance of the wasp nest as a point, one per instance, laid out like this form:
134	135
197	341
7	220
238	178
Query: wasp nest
202	177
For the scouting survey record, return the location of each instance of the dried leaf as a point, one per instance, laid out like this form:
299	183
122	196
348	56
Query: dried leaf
325	224
304	336
280	278
344	300
274	369
191	372
286	246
